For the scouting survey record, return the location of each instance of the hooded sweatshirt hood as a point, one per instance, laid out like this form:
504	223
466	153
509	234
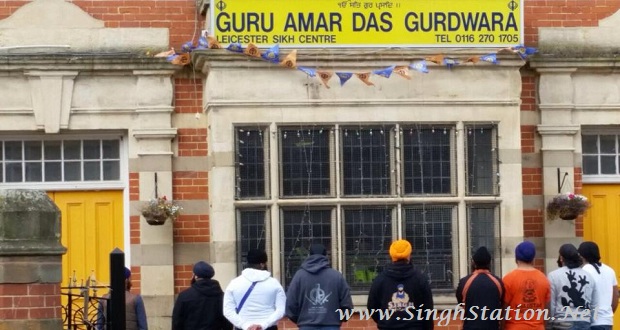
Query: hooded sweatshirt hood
255	275
315	263
399	270
208	287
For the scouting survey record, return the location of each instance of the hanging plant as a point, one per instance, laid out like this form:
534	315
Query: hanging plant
158	210
567	206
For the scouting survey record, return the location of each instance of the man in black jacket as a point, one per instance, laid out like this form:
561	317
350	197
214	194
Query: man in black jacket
481	293
200	306
316	293
402	292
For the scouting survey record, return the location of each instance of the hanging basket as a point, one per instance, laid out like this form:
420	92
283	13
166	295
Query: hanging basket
569	216
155	219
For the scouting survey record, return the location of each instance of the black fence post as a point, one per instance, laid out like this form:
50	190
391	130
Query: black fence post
116	309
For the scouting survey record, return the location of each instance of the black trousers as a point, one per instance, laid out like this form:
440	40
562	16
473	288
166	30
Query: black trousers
275	327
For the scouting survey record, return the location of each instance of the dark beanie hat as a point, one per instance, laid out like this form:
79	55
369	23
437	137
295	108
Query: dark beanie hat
525	251
318	249
203	270
256	257
569	253
482	257
127	273
590	252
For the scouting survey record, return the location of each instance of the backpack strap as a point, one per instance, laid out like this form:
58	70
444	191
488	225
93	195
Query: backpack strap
245	296
473	277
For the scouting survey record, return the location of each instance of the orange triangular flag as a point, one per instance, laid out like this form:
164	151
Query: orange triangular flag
166	53
473	59
403	71
290	61
182	59
365	78
252	50
213	43
437	59
325	76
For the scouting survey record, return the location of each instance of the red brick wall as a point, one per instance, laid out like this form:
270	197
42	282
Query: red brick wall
29	301
182	277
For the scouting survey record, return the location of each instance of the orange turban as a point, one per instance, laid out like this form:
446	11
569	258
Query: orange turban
400	250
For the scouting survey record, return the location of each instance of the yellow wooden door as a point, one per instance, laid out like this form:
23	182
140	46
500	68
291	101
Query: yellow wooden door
92	226
602	225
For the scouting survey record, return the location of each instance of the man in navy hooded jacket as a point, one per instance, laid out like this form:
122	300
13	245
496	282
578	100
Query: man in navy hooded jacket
316	293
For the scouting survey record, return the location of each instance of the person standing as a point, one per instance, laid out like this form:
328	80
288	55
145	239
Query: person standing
606	286
480	290
527	291
135	313
573	292
199	307
254	300
403	290
316	293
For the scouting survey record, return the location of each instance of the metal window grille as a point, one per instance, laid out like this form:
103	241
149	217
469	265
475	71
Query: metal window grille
428	159
300	229
483	227
59	160
305	162
366	161
600	154
250	163
429	229
367	238
482	161
251	234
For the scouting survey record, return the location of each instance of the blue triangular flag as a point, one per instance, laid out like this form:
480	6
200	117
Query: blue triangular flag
203	43
524	52
171	57
310	72
419	66
450	62
344	76
387	72
491	58
272	54
187	47
235	47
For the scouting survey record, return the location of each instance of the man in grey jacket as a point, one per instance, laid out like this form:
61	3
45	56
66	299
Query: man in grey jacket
316	293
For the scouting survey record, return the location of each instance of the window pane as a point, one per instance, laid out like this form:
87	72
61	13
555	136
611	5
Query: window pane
72	149
608	165
588	144
483	229
92	171
1	152
250	163
366	161
32	150
52	150
14	172
481	161
91	149
111	149
590	164
73	171
300	229
608	144
111	170
250	234
13	150
34	172
305	162
427	161
52	171
368	235
429	229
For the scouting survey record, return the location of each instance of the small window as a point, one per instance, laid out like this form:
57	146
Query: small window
482	161
305	162
366	161
600	154
483	229
251	234
250	163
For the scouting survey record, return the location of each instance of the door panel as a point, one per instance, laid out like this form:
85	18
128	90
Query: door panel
602	224
92	226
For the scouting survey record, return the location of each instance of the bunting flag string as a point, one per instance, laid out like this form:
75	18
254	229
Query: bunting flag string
272	55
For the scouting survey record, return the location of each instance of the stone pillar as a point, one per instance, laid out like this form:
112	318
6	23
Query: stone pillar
558	152
30	261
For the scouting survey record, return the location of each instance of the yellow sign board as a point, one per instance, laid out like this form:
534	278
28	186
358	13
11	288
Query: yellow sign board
369	23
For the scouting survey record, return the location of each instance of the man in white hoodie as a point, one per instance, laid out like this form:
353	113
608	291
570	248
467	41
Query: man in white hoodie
254	300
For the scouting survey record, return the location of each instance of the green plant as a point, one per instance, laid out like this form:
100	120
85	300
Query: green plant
567	206
161	208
